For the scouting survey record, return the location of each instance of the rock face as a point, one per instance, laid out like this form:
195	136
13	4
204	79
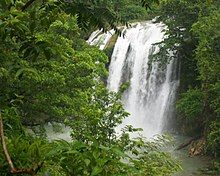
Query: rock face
197	147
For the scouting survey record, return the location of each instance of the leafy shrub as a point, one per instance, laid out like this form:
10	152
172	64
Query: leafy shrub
191	104
213	138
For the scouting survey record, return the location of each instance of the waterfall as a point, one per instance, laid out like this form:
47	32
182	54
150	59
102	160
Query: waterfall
150	96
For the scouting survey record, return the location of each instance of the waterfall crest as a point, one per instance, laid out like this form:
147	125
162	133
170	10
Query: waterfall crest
150	96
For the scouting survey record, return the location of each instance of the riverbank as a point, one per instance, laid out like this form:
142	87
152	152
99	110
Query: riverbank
191	166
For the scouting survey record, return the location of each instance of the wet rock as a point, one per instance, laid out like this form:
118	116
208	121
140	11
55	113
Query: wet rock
197	147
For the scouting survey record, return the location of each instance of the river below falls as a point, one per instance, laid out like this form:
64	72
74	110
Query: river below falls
191	166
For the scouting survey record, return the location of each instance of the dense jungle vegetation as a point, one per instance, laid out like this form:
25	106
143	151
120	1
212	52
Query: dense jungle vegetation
194	38
48	73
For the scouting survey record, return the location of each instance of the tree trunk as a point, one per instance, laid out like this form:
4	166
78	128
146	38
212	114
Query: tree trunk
30	171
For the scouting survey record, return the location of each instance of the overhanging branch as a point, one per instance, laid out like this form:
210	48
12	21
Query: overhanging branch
7	156
31	171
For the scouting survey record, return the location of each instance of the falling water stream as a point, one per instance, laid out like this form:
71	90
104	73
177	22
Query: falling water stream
152	90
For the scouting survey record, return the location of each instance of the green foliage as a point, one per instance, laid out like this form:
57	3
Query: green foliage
208	51
129	10
48	73
133	12
98	119
98	150
191	105
193	36
191	109
95	149
216	167
121	156
26	152
44	59
98	13
213	138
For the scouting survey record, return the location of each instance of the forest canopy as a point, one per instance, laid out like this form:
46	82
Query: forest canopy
48	73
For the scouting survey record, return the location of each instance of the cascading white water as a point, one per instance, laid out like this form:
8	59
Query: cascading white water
152	90
100	40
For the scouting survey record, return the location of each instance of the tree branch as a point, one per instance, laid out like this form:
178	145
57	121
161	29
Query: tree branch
31	171
186	144
7	156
